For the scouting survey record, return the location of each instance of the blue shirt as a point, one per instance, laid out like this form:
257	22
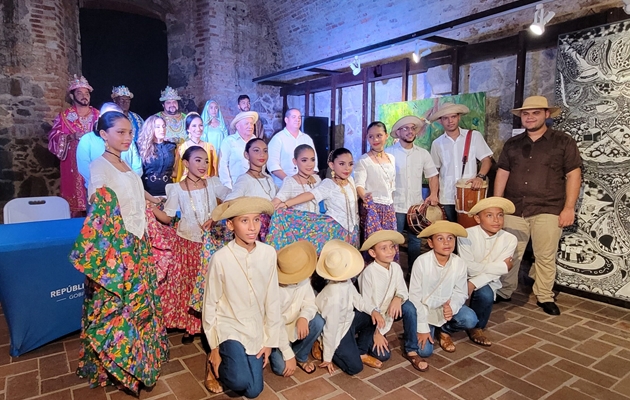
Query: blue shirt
91	147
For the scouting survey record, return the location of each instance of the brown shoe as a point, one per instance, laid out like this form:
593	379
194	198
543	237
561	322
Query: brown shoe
446	343
211	383
477	336
371	361
316	351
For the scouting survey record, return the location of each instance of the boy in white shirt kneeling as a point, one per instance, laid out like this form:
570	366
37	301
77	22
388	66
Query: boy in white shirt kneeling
339	262
302	324
384	291
241	307
488	252
438	289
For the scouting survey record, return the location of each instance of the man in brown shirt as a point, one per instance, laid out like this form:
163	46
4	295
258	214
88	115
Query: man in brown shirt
539	171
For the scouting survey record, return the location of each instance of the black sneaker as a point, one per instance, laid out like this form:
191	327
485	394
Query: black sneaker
549	307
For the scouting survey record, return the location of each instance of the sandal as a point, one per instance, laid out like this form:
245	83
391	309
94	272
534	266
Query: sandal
304	366
446	343
371	361
316	351
477	336
211	383
416	360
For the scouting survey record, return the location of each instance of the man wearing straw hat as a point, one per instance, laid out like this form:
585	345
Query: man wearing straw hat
539	171
455	155
232	161
411	163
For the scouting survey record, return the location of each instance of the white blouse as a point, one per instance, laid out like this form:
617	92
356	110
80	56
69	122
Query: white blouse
202	200
247	185
291	188
337	203
379	286
377	179
128	188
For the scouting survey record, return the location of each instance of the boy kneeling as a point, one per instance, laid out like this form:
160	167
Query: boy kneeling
241	309
384	291
302	324
488	252
438	289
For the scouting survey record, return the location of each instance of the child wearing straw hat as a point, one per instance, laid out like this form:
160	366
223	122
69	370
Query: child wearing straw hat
303	325
488	252
438	289
241	304
339	262
384	291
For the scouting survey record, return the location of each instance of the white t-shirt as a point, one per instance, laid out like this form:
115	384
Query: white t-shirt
281	148
337	203
128	188
291	188
410	165
447	155
377	179
247	185
204	200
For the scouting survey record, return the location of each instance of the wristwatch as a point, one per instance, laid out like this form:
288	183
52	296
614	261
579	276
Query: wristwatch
482	176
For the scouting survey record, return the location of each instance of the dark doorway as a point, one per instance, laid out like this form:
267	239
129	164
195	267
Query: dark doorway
120	48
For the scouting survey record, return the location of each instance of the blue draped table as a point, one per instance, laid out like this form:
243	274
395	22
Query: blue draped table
40	291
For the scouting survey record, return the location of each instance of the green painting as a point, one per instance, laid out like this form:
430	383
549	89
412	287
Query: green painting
475	119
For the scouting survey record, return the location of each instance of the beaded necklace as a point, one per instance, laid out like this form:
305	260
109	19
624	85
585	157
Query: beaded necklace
268	192
192	203
389	180
345	194
310	181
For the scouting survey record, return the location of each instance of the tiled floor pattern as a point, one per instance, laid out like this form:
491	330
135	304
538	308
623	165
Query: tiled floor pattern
582	354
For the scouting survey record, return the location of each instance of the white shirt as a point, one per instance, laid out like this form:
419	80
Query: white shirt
447	155
336	303
91	147
291	188
128	188
379	286
337	203
485	256
204	200
247	185
241	301
232	161
425	294
378	179
296	301
281	148
410	165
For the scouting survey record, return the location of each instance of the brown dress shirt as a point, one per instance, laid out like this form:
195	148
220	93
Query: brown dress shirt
537	181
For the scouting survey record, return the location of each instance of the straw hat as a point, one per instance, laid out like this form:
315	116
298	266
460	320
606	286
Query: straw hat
296	262
499	202
381	236
409	119
242	115
443	227
242	206
339	261
448	109
536	102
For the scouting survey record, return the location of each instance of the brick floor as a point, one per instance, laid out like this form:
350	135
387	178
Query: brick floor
535	356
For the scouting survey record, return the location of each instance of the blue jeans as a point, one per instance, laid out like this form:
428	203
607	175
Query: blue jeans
413	241
463	320
239	371
410	328
481	301
301	348
349	351
451	213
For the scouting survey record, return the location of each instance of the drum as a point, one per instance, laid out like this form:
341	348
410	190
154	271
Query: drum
422	215
465	199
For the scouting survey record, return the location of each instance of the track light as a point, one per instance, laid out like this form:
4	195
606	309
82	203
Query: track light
540	19
355	66
419	53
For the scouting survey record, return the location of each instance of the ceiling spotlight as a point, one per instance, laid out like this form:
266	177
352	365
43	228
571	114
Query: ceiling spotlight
419	53
541	19
355	66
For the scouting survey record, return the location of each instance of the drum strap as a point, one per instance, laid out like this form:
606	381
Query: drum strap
466	150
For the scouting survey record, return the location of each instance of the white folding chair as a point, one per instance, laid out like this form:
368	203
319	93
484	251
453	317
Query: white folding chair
31	209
